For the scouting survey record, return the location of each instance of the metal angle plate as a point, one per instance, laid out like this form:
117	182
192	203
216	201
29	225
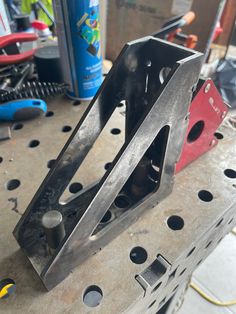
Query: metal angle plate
111	270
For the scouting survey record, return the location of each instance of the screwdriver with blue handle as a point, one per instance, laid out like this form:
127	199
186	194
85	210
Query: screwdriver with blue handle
22	109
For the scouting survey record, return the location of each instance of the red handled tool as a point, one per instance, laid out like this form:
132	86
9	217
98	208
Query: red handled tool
10	39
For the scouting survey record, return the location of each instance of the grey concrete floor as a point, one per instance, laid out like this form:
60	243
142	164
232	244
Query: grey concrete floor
216	277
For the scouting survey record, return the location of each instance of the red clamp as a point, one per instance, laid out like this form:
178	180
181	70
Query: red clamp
13	39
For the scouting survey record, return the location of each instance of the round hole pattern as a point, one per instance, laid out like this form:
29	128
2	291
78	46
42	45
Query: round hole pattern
34	143
115	131
75	187
17	126
219	135
76	103
49	114
1	159
120	104
195	131
205	196
66	128
51	163
107	217
107	165
122	201
92	296
138	255
12	184
175	222
230	173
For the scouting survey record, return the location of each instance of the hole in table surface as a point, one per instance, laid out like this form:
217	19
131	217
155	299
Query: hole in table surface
122	201
230	173
49	114
138	255
51	163
92	296
12	184
115	131
17	126
219	135
66	128
175	222
107	165
205	196
1	159
34	143
75	187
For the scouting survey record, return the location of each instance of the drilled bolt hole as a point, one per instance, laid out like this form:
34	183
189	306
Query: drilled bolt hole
76	103
107	165
230	173
17	126
12	184
205	196
92	296
75	187
49	114
175	222
51	163
195	131
66	128
219	135
115	131
122	201
34	143
107	217
1	159
138	255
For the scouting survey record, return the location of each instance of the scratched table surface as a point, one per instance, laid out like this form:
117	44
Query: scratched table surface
26	158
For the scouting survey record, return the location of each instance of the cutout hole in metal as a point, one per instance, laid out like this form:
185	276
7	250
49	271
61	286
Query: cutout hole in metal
75	187
107	217
230	173
195	131
51	163
182	272
190	253
156	287
175	222
219	223
107	165
122	201
205	196
17	126
138	255
49	114
1	159
92	296
34	143
219	135
151	305
12	184
66	128
115	131
208	244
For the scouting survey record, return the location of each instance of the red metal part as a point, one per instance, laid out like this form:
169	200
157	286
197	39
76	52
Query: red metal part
12	39
207	111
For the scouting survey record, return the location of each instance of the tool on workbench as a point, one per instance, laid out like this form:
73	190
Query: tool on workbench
34	89
78	30
7	287
7	40
172	29
22	109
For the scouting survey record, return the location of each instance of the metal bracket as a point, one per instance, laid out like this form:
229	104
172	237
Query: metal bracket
156	79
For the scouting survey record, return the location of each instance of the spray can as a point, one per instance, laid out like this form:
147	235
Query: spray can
78	31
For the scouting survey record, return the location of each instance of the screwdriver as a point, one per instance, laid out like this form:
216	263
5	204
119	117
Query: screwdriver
22	109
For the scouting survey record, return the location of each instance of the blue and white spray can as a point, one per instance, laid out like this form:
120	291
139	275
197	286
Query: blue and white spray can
78	31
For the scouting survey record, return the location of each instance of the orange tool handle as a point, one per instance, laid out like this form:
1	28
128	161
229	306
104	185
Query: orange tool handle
189	17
